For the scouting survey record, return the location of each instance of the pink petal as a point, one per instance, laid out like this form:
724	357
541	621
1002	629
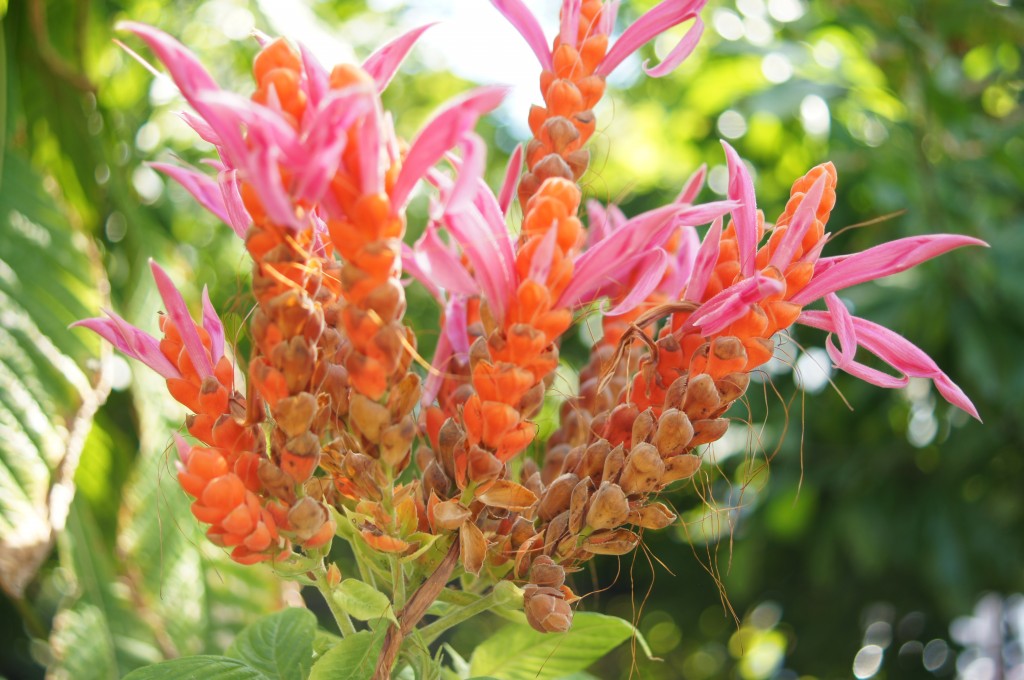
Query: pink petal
704	264
471	169
681	269
693	185
570	23
201	127
411	266
371	174
656	21
895	350
880	261
439	135
598	227
487	205
511	182
844	329
132	341
497	278
730	304
383	64
327	138
441	265
651	267
317	83
178	313
204	189
803	219
183	450
606	22
523	21
683	49
213	327
231	194
741	189
457	324
540	263
452	324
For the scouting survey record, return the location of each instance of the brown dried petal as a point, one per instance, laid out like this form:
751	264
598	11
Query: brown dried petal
396	441
613	465
483	466
618	542
592	462
448	515
676	392
578	505
706	431
306	517
473	547
507	495
404	396
546	609
653	516
732	386
545	573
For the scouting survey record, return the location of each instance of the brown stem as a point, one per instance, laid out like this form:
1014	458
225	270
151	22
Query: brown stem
414	611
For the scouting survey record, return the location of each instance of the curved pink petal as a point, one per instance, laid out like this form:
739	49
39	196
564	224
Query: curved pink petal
317	82
411	266
656	21
880	261
730	304
651	267
203	188
231	193
741	189
704	263
132	341
522	20
845	330
383	64
437	262
540	263
214	327
497	278
694	183
895	350
442	133
803	219
598	227
511	182
681	269
178	313
570	21
683	49
470	172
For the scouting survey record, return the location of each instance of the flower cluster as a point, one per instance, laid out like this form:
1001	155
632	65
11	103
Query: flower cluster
311	174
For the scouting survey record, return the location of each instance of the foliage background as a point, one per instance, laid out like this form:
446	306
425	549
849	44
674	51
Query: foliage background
868	544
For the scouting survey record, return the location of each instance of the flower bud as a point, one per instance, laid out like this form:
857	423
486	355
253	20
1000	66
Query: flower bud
676	392
592	462
706	431
578	505
653	516
396	441
608	507
369	417
306	517
732	386
613	465
544	572
701	397
404	396
618	542
680	467
643	426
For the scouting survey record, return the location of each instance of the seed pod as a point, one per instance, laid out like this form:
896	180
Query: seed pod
642	471
618	542
572	459
674	433
620	423
680	467
546	609
701	397
424	457
335	385
643	426
545	573
276	481
522	530
592	462
473	547
613	465
553	460
653	516
483	467
435	480
449	438
676	393
369	417
295	414
557	496
300	456
404	396
578	505
396	441
306	517
556	530
706	431
508	496
561	133
528	469
732	386
608	507
534	484
532	401
295	359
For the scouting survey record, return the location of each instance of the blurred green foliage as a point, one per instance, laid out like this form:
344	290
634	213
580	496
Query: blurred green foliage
898	512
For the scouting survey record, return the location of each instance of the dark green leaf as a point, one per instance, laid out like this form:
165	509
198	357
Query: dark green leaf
280	645
354	658
198	668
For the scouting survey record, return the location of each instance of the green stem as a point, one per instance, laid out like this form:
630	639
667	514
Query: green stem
341	616
432	631
397	582
31	620
457	597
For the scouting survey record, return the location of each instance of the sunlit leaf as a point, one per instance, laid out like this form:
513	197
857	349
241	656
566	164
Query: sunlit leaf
280	645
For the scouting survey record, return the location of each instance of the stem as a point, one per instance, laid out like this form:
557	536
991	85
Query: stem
341	616
433	630
31	620
397	581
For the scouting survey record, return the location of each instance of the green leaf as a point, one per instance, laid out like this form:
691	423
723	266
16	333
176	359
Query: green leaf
324	642
198	668
280	645
354	658
50	385
362	601
520	653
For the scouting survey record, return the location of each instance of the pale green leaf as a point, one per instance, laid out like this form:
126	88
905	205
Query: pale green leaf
362	601
520	653
198	668
280	645
354	658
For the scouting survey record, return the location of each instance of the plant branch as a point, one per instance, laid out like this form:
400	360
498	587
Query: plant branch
341	617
